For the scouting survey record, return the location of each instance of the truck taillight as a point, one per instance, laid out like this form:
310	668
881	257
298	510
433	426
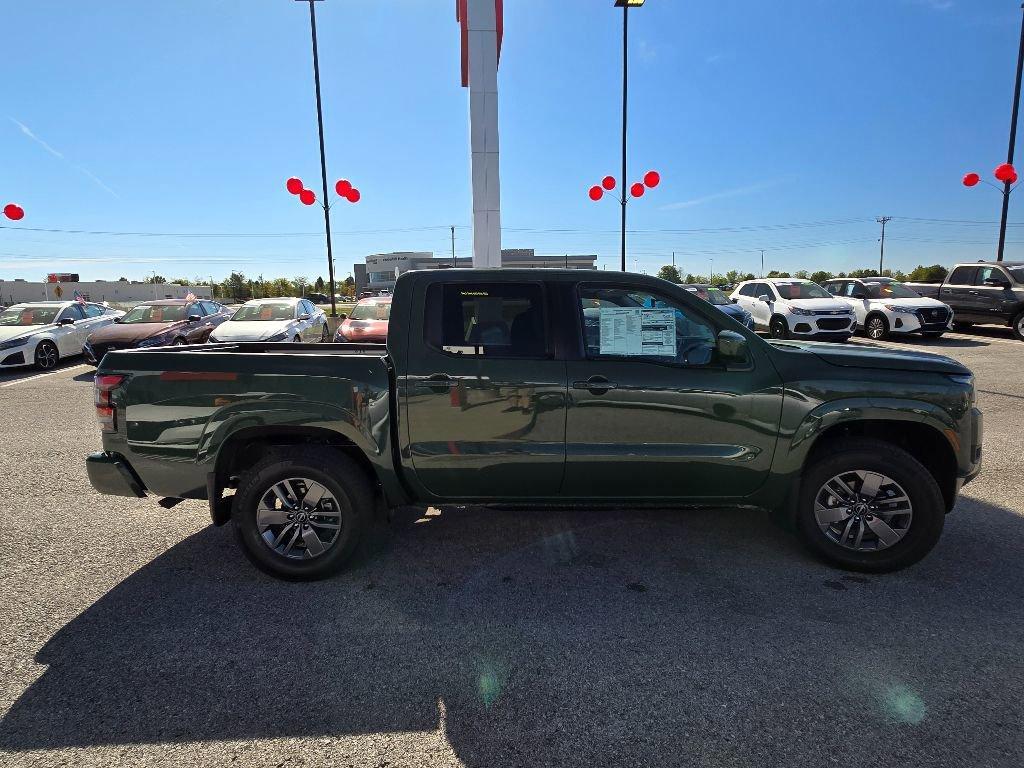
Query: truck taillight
106	414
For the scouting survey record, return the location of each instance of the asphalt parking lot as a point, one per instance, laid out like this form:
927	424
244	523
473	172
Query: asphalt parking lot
130	635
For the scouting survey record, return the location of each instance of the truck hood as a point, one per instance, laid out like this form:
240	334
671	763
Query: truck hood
856	356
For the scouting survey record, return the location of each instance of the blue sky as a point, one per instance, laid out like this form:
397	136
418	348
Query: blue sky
786	126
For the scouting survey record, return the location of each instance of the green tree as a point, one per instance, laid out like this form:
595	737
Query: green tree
301	286
237	287
802	274
318	286
776	273
670	273
820	276
936	273
154	279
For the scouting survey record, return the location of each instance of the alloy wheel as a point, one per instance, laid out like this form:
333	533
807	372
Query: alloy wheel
298	518
863	510
47	355
876	328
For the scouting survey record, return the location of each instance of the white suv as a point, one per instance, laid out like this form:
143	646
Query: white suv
790	307
885	306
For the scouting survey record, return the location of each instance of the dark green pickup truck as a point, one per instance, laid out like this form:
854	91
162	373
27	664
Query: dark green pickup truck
542	387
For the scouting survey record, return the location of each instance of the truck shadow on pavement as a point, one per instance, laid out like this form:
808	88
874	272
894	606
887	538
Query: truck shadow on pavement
583	637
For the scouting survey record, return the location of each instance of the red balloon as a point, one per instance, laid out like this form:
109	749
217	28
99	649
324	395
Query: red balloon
608	182
293	185
306	197
637	190
652	179
971	179
1012	179
343	187
1004	172
596	193
353	195
14	212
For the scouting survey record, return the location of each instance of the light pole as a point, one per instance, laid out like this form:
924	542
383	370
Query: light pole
637	189
625	5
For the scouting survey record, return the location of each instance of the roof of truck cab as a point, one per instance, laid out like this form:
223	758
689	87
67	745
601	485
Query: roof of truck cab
529	274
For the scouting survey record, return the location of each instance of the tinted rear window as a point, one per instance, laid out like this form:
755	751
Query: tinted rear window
488	319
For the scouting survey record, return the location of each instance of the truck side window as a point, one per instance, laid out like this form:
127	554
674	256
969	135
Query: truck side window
622	322
962	276
489	319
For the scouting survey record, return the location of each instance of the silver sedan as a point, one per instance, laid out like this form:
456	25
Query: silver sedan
281	319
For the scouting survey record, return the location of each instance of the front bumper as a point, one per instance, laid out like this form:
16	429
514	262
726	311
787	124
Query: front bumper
23	354
970	465
821	326
111	474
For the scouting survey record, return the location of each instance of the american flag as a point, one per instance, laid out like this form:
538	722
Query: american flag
190	296
79	297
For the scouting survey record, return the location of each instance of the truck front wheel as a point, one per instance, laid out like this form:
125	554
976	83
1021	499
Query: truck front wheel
301	516
869	506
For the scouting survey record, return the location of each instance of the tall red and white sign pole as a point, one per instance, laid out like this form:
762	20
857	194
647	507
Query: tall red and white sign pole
481	23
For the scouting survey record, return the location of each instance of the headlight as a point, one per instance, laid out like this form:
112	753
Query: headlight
278	336
11	343
900	309
156	341
796	311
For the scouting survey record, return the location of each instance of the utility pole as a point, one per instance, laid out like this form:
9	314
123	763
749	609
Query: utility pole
762	262
325	201
881	255
673	258
1013	141
454	262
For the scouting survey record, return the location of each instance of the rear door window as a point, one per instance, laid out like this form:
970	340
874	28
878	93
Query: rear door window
488	319
962	276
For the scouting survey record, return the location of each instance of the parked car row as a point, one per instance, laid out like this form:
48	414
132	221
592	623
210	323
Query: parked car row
41	333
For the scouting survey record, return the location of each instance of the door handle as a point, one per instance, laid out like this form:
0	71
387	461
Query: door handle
595	384
440	382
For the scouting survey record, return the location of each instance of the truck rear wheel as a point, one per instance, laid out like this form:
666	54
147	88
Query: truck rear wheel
301	516
869	506
1018	326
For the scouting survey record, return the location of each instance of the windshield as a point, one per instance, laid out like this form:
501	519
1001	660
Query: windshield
376	310
1017	273
802	291
155	314
29	316
254	312
891	291
717	296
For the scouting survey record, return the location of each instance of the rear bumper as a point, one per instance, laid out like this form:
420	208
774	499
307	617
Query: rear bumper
111	474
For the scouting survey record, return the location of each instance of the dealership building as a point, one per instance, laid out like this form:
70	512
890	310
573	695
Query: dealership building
381	270
117	291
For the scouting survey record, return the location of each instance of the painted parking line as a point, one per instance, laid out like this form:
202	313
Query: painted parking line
43	375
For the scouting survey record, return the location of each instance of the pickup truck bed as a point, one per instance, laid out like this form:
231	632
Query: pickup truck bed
542	387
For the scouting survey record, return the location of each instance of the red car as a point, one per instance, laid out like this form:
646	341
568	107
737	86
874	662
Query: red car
368	323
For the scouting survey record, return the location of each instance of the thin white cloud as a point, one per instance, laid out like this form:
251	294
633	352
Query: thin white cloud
93	176
748	189
714	58
28	132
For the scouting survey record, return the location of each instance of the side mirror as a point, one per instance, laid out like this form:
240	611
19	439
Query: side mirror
765	298
997	282
303	316
734	300
732	348
194	318
343	316
68	321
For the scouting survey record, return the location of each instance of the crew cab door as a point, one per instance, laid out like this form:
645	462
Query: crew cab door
652	412
992	295
484	396
956	291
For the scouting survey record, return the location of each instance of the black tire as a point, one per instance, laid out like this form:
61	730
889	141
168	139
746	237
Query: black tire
777	327
297	339
876	327
179	342
933	334
343	479
1018	326
326	335
929	509
47	357
962	327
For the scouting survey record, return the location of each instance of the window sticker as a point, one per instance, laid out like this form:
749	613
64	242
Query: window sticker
636	331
